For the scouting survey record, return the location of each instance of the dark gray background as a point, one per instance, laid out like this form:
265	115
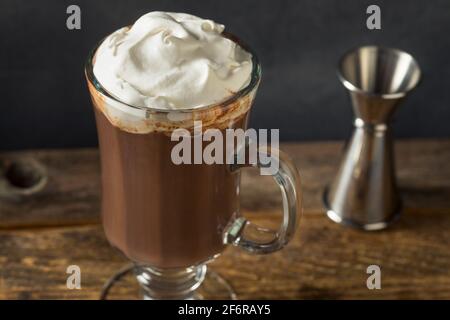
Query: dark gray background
45	103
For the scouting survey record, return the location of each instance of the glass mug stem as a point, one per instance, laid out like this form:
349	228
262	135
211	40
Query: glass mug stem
170	284
255	239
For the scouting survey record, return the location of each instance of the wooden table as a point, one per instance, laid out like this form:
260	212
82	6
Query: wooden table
43	233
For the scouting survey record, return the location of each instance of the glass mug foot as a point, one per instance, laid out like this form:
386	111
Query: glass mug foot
194	283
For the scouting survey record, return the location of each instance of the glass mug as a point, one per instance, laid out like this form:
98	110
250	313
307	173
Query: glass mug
168	219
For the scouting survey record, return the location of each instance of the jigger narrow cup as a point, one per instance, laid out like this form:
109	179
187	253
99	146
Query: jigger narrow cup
364	193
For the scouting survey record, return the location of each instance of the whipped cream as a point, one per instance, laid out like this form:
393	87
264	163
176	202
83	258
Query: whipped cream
172	61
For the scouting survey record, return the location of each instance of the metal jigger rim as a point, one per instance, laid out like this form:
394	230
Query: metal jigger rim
350	86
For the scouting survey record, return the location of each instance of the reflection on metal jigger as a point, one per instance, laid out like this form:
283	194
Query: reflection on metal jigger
364	193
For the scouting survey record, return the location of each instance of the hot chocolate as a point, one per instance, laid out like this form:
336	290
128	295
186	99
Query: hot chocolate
172	74
159	213
154	211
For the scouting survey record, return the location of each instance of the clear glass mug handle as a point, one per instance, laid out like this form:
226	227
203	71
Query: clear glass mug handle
255	239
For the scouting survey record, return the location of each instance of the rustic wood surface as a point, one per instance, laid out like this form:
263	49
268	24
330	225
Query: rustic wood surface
43	233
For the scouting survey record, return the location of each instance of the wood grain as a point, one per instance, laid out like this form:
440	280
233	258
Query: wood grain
42	234
324	261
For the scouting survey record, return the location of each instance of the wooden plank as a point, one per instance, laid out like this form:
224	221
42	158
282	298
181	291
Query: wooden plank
323	261
71	195
42	234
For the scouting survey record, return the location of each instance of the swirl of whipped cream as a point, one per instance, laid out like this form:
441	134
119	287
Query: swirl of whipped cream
172	61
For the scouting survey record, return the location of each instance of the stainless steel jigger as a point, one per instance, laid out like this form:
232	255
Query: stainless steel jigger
364	193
